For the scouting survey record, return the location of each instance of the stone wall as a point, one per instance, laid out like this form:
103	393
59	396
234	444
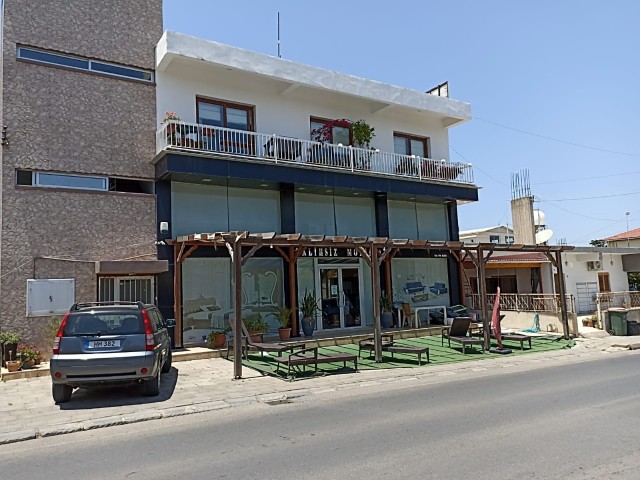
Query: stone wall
74	122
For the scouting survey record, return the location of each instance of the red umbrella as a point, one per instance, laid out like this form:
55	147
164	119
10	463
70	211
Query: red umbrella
495	320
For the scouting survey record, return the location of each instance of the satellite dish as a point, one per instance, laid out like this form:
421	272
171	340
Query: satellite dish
543	235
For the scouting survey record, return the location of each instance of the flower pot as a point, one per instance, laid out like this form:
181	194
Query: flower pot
285	333
29	363
217	341
256	337
13	365
9	352
307	326
386	319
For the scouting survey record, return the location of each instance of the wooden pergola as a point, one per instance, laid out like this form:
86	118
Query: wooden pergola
376	251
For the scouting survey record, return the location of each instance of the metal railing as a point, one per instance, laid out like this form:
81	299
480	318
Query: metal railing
608	300
526	302
286	150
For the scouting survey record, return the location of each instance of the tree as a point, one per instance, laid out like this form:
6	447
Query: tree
598	243
634	280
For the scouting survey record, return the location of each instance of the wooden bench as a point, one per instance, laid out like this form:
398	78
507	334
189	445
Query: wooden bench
369	343
310	356
516	337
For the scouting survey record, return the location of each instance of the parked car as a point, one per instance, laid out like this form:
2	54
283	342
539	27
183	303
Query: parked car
110	343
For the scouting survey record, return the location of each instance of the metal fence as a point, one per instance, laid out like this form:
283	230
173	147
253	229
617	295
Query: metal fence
286	150
526	302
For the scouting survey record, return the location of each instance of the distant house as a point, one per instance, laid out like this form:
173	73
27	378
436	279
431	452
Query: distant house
624	239
499	234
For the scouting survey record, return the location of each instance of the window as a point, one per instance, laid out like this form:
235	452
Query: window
494	238
78	63
82	182
405	144
126	289
603	282
509	239
69	181
337	134
217	113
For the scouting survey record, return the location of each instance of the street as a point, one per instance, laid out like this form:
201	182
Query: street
575	421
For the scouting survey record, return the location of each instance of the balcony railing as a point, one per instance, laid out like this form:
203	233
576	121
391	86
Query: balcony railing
526	302
276	149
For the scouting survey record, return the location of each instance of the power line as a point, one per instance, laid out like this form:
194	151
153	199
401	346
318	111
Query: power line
593	198
587	178
559	140
475	167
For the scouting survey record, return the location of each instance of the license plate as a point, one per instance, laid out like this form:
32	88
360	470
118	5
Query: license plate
104	343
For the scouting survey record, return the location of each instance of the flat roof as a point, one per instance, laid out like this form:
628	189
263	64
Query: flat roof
174	45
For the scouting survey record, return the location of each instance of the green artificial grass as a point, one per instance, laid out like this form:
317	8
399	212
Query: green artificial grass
438	354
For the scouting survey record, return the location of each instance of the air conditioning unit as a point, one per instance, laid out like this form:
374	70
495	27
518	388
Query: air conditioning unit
594	266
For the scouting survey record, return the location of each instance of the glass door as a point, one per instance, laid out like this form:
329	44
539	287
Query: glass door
339	297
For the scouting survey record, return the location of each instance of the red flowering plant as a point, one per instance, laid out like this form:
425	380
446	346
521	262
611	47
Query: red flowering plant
324	134
171	120
360	132
28	352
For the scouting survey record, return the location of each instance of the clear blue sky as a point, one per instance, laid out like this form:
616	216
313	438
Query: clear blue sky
533	72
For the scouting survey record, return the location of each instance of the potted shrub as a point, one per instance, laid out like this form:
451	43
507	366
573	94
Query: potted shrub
12	364
27	355
255	326
284	317
9	342
308	309
386	311
216	338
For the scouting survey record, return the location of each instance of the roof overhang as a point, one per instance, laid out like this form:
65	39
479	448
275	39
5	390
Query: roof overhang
293	76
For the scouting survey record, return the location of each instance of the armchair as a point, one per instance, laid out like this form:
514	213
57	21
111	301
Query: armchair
438	288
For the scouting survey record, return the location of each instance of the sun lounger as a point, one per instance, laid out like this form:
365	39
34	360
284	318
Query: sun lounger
459	332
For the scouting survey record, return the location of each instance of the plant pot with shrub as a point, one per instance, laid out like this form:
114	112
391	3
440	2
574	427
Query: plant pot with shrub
308	309
9	345
216	338
284	317
386	311
255	326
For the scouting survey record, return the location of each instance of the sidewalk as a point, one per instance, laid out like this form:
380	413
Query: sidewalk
27	410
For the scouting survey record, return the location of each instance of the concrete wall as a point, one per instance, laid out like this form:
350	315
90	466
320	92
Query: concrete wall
523	320
522	215
575	271
74	122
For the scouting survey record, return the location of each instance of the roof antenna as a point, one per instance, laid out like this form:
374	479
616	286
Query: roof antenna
279	56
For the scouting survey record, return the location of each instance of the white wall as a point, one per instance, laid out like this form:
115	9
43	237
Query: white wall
576	271
289	114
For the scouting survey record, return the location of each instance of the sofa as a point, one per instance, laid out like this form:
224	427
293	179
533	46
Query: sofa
199	312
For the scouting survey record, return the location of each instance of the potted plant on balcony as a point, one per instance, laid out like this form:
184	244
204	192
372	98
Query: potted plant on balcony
308	309
171	120
284	317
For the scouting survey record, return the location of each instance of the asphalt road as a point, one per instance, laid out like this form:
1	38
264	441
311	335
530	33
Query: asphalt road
578	421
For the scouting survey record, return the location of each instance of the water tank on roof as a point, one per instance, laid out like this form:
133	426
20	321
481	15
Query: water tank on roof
538	218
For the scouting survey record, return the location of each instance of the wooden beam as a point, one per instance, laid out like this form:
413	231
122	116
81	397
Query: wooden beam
563	296
482	287
186	254
364	253
250	253
177	295
293	294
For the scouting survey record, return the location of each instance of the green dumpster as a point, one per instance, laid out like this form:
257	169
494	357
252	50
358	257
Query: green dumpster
618	321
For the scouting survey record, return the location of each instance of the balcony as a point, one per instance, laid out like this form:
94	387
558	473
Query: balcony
218	142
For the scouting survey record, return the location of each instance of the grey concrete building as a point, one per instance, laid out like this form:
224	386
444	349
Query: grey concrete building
77	187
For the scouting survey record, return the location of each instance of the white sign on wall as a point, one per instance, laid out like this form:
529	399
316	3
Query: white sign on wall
50	296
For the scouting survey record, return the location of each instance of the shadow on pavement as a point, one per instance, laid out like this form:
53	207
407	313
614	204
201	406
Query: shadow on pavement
116	396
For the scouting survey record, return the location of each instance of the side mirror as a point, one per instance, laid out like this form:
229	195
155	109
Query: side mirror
171	322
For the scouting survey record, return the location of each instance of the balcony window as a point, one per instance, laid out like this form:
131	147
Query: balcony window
217	113
494	238
405	144
337	134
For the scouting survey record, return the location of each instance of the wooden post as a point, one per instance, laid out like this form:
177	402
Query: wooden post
293	294
375	281
482	288
563	296
236	265
387	277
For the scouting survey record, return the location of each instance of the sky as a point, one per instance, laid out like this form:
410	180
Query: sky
554	88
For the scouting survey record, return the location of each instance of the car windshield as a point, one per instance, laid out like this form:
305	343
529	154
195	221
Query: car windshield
104	323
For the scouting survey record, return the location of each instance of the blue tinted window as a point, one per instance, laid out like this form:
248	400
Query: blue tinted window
52	58
121	71
70	181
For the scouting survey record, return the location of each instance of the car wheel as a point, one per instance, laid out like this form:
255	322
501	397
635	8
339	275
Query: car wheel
151	387
61	393
167	363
